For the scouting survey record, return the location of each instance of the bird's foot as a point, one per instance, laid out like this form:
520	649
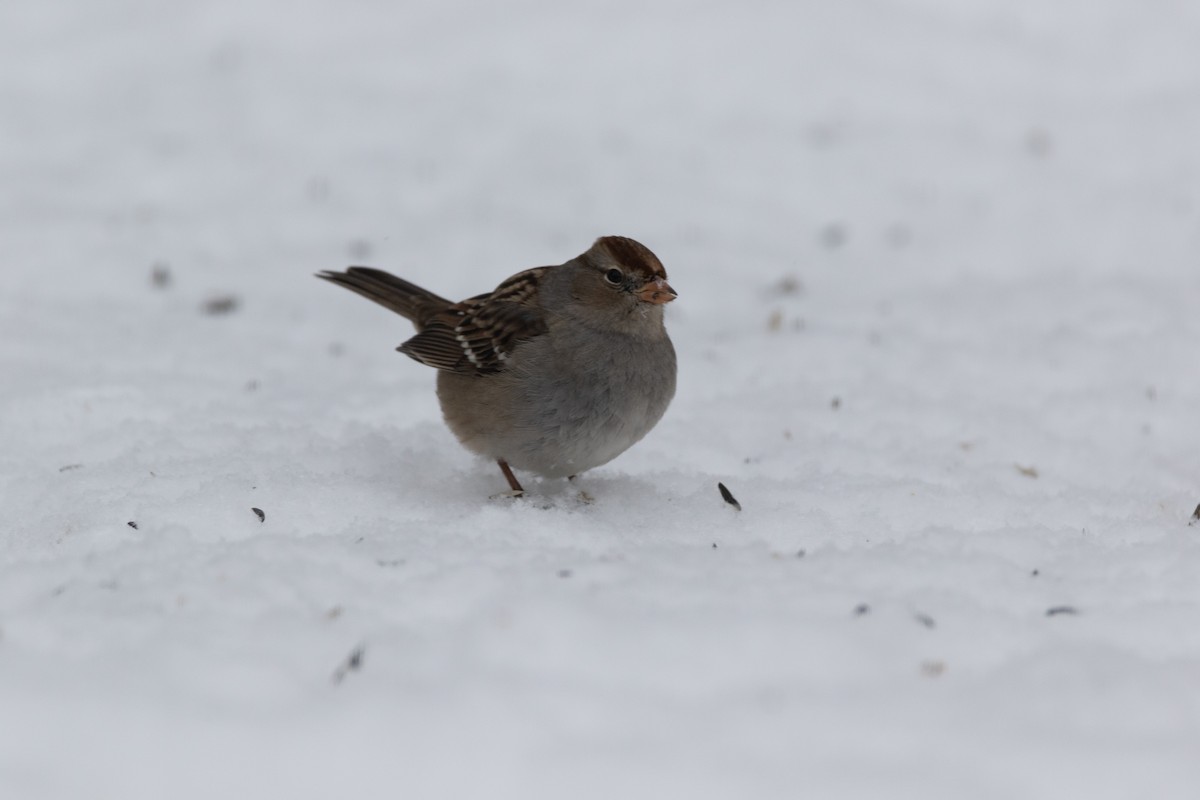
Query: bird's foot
513	483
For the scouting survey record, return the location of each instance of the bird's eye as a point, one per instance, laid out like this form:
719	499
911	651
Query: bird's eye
614	276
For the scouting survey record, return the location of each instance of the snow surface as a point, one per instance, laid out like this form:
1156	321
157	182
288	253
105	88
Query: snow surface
938	331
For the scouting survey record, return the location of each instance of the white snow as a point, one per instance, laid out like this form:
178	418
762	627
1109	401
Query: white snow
973	225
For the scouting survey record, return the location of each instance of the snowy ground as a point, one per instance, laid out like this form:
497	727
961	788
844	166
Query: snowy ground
939	332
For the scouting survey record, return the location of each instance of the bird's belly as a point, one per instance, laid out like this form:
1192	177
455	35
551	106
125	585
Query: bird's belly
553	417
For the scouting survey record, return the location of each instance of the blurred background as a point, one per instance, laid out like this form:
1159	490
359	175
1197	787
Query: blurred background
938	331
1009	139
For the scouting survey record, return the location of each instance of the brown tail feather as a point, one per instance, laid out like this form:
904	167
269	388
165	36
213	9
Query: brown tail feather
406	299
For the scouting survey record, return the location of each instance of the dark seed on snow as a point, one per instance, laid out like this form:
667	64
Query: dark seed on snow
728	497
220	305
258	512
160	276
353	662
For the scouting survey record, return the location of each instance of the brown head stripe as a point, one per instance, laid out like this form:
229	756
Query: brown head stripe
631	254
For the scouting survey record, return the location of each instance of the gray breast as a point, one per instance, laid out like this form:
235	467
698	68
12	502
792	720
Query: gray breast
566	403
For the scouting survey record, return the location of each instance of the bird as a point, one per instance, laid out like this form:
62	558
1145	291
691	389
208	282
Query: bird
557	370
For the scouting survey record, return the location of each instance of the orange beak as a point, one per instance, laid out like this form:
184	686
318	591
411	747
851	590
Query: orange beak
657	291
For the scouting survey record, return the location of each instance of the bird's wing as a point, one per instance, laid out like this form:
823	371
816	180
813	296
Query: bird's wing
478	335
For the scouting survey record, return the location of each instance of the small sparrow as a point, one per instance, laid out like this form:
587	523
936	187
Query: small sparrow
555	371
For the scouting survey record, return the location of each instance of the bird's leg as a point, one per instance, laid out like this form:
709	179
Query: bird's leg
513	484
